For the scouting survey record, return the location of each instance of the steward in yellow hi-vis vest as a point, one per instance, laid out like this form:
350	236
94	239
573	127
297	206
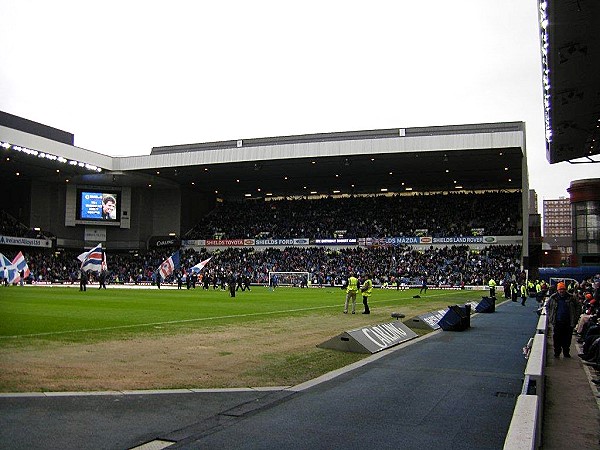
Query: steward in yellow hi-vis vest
366	289
514	291
531	288
492	286
351	290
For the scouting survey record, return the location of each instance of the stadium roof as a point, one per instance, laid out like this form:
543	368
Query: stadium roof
446	158
571	64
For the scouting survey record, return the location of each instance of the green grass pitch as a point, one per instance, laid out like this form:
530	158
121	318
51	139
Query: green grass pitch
66	314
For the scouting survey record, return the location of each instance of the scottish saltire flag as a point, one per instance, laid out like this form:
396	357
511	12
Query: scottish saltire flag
4	262
169	265
198	267
7	269
20	265
92	260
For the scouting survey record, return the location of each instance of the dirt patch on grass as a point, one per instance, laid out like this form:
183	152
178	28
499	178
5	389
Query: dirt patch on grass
207	358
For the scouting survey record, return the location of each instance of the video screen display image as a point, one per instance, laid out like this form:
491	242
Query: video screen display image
97	205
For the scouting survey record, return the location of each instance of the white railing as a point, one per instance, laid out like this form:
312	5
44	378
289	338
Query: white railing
525	431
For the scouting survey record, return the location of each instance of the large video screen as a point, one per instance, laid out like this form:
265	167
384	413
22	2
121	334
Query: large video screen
96	205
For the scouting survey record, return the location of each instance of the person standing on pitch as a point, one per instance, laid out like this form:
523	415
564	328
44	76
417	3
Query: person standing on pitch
83	280
231	282
562	311
351	290
366	289
102	279
492	286
514	291
423	285
523	293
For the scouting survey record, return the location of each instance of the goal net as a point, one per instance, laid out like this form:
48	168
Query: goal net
292	279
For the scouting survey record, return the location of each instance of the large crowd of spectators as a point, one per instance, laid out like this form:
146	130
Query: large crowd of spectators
588	326
442	215
9	226
437	215
448	266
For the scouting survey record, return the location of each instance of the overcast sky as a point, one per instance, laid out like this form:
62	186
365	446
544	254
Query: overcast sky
125	76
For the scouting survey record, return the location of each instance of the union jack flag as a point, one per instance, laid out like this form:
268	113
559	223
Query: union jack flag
20	265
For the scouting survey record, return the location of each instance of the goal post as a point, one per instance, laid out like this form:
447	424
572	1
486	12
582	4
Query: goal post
289	279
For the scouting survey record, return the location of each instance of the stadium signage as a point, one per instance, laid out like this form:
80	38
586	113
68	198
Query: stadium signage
458	240
432	318
339	241
164	241
371	242
274	242
27	242
224	242
382	336
403	240
244	242
193	242
167	243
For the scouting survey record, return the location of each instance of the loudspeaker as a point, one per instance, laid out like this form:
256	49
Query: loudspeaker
486	305
457	318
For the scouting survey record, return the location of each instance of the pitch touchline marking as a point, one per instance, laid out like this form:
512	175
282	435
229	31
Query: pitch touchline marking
171	322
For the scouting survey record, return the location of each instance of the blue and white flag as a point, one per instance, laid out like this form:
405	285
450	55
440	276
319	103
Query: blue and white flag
92	260
198	267
8	270
4	261
169	265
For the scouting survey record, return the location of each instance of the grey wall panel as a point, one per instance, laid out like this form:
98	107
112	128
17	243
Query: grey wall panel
340	148
125	207
70	206
166	212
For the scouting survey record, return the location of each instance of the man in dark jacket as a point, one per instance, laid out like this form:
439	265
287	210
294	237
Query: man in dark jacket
102	279
83	281
563	314
231	283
